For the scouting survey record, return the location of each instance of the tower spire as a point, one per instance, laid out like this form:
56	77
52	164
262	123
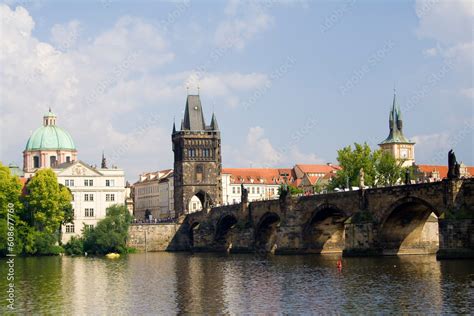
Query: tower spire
103	164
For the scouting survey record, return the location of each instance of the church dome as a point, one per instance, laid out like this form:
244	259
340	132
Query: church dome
49	136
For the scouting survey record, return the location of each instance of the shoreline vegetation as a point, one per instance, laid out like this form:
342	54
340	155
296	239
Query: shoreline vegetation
40	208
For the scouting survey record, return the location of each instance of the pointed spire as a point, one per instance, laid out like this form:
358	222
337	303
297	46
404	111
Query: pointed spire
174	125
103	164
214	125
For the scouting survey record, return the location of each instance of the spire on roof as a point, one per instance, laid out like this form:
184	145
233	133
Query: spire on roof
103	164
193	114
174	125
214	126
395	124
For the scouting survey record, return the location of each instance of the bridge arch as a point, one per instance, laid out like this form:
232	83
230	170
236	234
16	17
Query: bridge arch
409	226
324	231
222	235
200	200
193	226
266	232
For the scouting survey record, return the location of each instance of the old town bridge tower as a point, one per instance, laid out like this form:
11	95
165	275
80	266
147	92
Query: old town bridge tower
197	160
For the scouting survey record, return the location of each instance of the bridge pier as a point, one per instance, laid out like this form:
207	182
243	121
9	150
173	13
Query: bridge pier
456	239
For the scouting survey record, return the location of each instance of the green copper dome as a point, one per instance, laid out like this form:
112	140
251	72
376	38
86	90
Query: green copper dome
49	136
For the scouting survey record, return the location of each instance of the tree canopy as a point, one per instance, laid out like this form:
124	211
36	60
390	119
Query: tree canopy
380	168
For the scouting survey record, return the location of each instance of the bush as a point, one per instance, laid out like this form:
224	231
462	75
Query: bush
44	244
74	247
110	234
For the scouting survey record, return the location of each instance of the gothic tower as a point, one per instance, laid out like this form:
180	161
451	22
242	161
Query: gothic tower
197	160
396	143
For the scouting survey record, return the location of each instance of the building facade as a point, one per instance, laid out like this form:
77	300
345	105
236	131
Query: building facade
261	183
197	159
93	191
396	143
152	195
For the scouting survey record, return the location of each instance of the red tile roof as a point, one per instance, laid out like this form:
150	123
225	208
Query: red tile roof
259	175
318	168
443	170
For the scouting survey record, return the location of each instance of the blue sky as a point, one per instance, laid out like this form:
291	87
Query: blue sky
290	81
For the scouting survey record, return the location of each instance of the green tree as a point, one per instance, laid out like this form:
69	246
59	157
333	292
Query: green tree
75	246
380	168
10	192
47	206
351	162
110	234
389	170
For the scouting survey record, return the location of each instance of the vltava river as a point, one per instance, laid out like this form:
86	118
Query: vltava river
170	283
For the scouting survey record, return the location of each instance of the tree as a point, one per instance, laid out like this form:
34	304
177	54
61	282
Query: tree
10	192
351	162
380	168
389	170
110	234
47	204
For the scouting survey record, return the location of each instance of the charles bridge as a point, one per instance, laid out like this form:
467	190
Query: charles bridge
421	218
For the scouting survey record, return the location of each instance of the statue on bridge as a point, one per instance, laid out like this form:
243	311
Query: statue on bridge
361	178
244	198
407	177
454	169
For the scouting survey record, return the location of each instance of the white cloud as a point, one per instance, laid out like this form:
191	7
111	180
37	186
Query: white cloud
430	52
65	36
258	151
101	89
244	21
450	24
430	145
468	93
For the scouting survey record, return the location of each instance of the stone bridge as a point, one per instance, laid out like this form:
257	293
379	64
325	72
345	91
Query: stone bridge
409	219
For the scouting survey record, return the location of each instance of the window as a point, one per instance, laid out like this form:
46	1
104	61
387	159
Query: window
68	159
69	228
52	161
36	162
109	183
206	152
110	197
88	183
88	227
72	197
258	190
233	190
89	212
88	197
253	190
199	173
66	183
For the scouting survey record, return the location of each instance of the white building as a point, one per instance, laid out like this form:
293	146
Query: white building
153	195
261	183
93	191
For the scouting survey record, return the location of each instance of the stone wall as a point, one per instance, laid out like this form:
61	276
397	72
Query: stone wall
456	238
157	237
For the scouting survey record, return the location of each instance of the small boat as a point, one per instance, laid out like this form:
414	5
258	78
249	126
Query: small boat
112	255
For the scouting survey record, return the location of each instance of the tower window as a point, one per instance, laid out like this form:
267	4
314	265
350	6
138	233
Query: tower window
36	163
199	173
52	161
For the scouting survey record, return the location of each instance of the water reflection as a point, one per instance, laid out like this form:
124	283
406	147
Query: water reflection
165	283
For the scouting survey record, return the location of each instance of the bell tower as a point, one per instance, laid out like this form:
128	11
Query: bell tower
197	160
396	143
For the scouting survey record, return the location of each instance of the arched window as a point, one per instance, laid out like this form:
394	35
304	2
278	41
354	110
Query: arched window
36	162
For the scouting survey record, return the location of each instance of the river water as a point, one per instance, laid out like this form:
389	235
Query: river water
171	283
